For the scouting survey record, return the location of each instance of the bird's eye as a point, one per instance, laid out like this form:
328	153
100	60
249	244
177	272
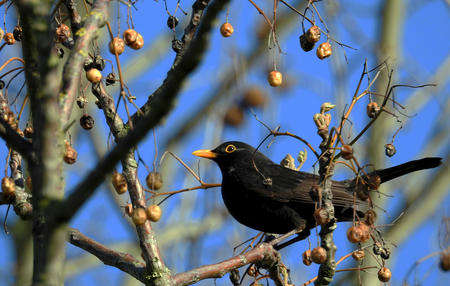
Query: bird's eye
230	148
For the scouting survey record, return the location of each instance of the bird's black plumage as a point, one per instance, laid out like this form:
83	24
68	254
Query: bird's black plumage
268	197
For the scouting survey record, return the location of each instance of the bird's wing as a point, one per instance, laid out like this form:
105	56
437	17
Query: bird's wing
288	185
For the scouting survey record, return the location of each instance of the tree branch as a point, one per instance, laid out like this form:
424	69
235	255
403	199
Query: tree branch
122	261
263	253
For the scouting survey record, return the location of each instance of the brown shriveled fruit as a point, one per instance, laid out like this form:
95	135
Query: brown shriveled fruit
384	274
139	216
251	271
374	182
306	257
129	36
117	45
87	122
94	75
62	33
234	116
358	233
275	78
70	155
319	255
28	132
358	255
128	209
226	29
139	43
9	39
8	187
321	216
324	50
389	149
370	217
154	181
119	183
313	34
444	260
254	97
305	44
347	151
153	213
372	109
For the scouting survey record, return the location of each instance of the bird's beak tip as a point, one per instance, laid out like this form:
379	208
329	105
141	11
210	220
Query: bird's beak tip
205	154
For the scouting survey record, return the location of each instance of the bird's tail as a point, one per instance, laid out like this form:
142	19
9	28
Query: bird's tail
408	167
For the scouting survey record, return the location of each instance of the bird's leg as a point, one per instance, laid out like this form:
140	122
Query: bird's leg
296	230
301	236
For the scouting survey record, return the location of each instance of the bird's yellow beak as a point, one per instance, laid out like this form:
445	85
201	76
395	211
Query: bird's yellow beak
205	153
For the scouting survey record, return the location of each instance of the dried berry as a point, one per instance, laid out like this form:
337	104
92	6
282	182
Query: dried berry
128	209
376	248
385	253
154	181
321	216
374	182
129	36
275	78
88	64
82	101
139	216
110	79
234	116
98	63
358	255
384	274
347	151
62	33
313	34
305	44
389	150
28	132
153	213
372	109
254	97
87	121
306	257
226	29
17	33
8	187
70	155
252	271
358	233
370	217
172	22
119	183
319	255
117	45
324	50
444	260
139	43
94	75
9	39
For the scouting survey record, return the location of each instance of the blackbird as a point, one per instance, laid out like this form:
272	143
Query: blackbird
268	197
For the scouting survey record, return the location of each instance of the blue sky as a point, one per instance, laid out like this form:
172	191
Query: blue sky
424	48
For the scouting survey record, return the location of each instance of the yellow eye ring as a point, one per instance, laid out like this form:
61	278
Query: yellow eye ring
230	148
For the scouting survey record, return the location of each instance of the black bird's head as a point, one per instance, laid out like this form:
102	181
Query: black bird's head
230	154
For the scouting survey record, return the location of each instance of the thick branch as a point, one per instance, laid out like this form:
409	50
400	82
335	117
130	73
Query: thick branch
263	253
122	261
